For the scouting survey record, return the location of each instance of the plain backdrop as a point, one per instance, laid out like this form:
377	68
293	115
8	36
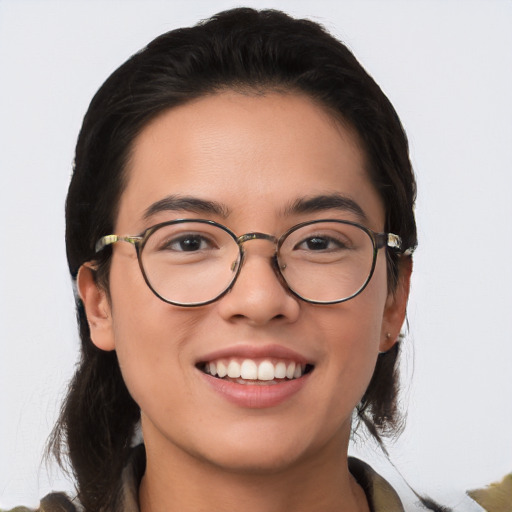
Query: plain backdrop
445	65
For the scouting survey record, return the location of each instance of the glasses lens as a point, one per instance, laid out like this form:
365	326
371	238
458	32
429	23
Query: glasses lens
190	262
327	261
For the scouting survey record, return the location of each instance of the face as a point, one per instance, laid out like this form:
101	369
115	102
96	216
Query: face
253	157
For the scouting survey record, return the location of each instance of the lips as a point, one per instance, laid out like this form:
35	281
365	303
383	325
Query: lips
256	377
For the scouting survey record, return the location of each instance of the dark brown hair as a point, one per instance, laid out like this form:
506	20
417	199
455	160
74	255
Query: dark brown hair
241	49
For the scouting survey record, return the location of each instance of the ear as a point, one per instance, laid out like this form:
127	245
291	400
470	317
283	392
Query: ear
97	308
396	306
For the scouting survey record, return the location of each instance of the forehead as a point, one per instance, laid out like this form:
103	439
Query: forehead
254	154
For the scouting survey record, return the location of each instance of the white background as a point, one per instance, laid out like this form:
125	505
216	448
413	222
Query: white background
446	66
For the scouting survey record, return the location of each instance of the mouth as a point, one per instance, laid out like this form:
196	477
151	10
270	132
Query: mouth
262	371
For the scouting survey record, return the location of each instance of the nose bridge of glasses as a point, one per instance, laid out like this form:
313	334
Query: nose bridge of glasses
257	236
266	251
265	237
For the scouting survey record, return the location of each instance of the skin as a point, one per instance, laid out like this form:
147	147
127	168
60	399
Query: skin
255	154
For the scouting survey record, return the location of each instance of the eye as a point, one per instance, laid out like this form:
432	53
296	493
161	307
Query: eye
188	242
321	243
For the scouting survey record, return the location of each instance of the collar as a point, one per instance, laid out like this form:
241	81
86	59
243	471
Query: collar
379	493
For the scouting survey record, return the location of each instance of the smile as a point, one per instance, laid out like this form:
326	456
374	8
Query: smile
255	376
255	371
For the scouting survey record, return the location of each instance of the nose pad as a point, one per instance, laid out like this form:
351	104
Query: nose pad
260	274
238	264
278	268
259	292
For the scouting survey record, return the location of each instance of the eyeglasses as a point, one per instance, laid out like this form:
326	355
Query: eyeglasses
195	262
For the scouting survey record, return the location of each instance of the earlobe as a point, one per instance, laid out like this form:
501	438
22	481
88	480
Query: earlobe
396	306
97	308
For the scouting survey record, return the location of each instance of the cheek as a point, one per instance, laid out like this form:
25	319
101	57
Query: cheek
154	361
363	315
149	335
353	347
353	333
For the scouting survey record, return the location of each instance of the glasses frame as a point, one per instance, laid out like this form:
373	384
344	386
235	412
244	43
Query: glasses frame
379	240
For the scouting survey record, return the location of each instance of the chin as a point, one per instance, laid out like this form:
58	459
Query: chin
266	452
265	461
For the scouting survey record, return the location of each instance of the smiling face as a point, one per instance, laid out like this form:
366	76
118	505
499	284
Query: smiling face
292	372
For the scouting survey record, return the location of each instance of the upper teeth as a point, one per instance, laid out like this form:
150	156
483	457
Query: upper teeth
249	369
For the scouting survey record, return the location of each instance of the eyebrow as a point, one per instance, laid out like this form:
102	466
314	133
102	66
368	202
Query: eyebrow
321	203
175	203
326	202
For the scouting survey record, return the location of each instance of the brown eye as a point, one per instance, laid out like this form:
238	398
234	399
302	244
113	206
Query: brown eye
319	243
188	243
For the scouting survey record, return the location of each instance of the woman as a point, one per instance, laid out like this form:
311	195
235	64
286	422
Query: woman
240	227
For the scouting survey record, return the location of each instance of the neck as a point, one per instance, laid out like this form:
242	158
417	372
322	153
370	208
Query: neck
178	481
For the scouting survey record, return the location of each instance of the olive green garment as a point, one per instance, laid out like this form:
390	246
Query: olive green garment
495	497
381	496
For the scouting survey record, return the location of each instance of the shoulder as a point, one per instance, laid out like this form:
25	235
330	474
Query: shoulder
381	496
18	509
54	502
126	500
495	497
57	502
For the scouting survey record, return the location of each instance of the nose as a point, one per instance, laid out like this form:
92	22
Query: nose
259	295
